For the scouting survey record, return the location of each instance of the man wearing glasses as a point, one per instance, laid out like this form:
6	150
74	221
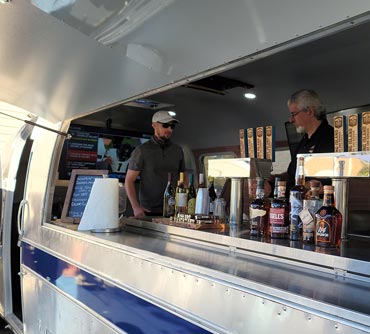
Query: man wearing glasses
152	161
307	113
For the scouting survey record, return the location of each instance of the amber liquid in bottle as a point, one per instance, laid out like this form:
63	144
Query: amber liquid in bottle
297	195
279	214
328	221
181	196
258	212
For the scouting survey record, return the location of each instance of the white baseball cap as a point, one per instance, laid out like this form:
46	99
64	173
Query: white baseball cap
164	116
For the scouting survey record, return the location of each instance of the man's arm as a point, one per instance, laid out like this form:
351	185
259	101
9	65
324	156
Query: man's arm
130	179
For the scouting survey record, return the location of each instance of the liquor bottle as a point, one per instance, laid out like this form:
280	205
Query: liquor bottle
276	190
212	194
328	221
169	198
191	196
258	212
297	195
279	214
307	215
202	199
182	196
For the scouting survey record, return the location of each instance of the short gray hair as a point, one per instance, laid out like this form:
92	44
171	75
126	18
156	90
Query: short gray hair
306	98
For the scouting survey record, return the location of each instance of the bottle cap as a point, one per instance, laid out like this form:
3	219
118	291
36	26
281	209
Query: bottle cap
315	184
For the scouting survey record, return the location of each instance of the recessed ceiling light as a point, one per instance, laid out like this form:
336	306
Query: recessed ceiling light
250	96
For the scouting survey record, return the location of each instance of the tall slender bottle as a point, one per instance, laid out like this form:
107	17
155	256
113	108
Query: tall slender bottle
279	213
276	189
297	195
191	196
182	196
202	199
328	221
212	194
258	212
310	207
169	200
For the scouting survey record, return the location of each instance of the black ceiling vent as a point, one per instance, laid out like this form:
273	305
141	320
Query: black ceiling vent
217	84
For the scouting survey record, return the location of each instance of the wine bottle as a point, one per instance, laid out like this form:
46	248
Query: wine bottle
279	213
191	196
328	221
212	194
297	195
182	196
258	212
202	199
169	198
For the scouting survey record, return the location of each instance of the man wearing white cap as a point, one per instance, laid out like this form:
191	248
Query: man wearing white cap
153	161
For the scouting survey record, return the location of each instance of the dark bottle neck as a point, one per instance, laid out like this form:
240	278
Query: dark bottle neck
328	199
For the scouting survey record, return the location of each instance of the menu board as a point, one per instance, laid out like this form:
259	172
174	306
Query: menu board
78	193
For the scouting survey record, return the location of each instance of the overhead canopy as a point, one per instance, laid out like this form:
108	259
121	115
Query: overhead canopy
62	70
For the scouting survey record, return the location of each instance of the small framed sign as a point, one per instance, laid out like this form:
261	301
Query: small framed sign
78	193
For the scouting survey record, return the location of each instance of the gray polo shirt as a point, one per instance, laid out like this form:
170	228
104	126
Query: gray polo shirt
154	162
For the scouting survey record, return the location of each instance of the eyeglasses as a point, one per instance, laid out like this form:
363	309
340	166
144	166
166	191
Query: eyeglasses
168	125
294	114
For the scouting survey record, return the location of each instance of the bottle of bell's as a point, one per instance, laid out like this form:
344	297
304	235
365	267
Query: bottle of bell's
328	221
258	212
297	195
279	213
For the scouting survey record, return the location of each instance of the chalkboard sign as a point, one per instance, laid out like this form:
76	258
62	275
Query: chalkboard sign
78	193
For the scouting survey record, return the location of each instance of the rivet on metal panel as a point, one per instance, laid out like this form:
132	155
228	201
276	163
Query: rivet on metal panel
244	296
279	313
336	326
263	301
284	309
213	284
309	318
48	278
35	261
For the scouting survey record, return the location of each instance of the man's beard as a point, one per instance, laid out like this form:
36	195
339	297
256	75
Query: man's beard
300	129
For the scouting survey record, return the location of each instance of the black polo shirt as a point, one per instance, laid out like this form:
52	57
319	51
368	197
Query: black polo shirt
322	141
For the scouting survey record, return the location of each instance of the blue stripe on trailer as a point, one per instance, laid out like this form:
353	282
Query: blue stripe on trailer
127	311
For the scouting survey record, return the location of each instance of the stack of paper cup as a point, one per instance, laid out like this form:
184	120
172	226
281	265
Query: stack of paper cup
101	211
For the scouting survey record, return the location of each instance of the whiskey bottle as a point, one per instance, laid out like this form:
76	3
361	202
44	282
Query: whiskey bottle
182	196
307	215
279	214
328	221
258	212
297	195
191	196
169	198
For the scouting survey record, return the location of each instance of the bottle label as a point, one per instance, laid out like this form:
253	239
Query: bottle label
182	199
191	206
277	221
257	221
323	232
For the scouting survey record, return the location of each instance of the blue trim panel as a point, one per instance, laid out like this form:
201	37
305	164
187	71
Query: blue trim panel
127	311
